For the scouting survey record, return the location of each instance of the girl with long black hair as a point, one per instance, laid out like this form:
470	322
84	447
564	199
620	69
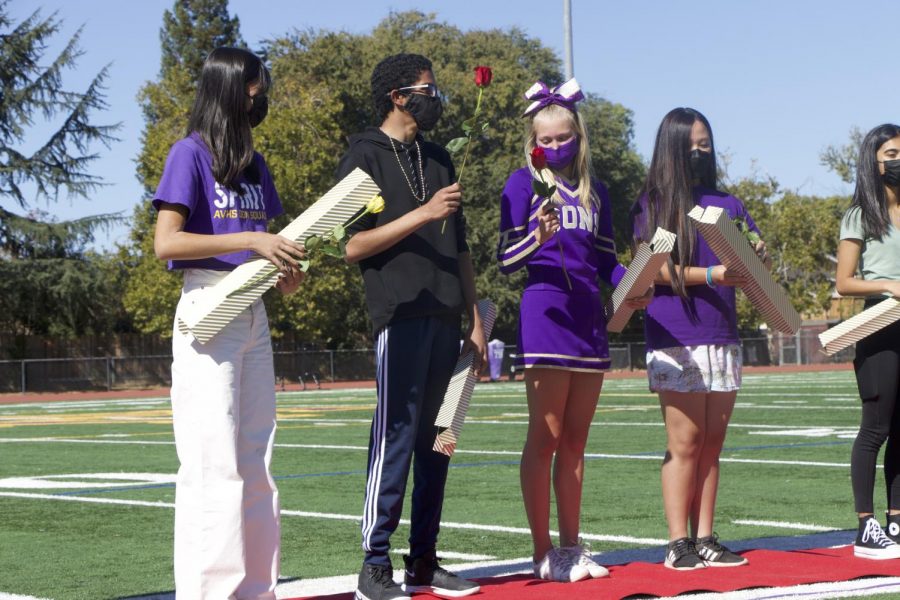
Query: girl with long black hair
870	243
693	350
214	200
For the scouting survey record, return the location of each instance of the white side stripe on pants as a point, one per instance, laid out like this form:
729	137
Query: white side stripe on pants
379	428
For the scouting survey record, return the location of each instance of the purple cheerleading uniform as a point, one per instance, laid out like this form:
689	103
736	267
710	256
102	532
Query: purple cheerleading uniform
709	315
213	209
558	327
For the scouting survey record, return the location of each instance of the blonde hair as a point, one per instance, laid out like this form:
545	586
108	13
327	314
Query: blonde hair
583	170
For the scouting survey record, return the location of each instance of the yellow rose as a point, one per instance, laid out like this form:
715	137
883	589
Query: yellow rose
375	205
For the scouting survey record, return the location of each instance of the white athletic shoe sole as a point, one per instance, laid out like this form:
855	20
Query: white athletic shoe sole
876	553
441	592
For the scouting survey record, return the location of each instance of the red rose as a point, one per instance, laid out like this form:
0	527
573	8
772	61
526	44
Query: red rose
483	76
538	158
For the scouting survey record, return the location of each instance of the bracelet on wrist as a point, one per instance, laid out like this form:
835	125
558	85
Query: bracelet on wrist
709	280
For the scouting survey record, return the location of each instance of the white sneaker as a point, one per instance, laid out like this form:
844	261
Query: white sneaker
581	556
559	566
873	543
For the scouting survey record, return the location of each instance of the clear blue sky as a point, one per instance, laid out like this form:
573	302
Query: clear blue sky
779	80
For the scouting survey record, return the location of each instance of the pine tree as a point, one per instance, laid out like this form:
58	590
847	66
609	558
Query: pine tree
191	30
38	253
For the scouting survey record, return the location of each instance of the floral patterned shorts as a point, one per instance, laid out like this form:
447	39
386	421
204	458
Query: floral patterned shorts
706	368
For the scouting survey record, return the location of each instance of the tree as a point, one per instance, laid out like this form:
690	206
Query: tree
842	159
801	234
50	282
190	31
320	96
339	64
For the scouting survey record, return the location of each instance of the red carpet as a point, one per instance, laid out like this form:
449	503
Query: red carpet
767	568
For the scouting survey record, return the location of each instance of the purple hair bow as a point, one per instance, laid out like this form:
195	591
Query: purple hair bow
566	95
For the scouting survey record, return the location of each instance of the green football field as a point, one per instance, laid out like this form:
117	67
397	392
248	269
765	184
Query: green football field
86	488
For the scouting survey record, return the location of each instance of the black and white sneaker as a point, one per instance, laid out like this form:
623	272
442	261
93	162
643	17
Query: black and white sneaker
873	543
424	574
893	527
682	555
377	583
715	554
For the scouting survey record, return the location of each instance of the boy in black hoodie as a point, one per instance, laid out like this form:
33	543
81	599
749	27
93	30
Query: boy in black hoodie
418	280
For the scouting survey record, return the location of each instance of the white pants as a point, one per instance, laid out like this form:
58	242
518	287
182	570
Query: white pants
227	528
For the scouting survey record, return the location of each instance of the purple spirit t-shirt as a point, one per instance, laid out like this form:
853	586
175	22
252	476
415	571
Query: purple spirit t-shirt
212	209
708	315
585	235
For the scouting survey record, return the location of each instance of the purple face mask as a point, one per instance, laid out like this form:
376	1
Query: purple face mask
561	157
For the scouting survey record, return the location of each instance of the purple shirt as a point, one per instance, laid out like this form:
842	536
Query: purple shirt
188	180
586	235
708	316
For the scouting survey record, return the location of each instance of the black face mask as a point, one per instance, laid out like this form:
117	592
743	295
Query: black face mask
891	172
259	110
699	163
426	110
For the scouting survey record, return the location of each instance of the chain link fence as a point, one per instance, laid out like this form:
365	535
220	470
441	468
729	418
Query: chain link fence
312	367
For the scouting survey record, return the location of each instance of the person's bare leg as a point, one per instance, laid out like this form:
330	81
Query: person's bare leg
546	390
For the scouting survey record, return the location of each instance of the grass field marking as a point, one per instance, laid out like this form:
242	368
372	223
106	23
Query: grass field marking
85	440
480	527
322	447
87	403
653	456
46	482
339	517
812	432
18	597
784	525
730	425
156	416
790	407
87	499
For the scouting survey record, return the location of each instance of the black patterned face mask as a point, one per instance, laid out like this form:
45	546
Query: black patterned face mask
426	110
891	172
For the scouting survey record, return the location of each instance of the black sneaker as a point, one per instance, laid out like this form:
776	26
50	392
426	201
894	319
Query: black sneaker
893	527
715	554
423	574
873	543
377	583
682	555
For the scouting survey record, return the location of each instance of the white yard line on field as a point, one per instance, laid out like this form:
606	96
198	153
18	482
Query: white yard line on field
784	525
655	456
624	539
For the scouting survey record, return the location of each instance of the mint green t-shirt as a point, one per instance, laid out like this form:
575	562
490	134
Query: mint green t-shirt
879	259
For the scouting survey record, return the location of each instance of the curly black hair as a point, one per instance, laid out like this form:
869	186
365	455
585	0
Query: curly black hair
397	71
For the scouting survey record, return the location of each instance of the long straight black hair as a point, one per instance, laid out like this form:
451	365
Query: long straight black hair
219	115
669	186
869	194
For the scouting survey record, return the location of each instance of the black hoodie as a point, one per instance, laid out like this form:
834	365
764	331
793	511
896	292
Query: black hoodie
419	275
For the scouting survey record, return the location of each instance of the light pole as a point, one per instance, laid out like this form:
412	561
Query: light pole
567	39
